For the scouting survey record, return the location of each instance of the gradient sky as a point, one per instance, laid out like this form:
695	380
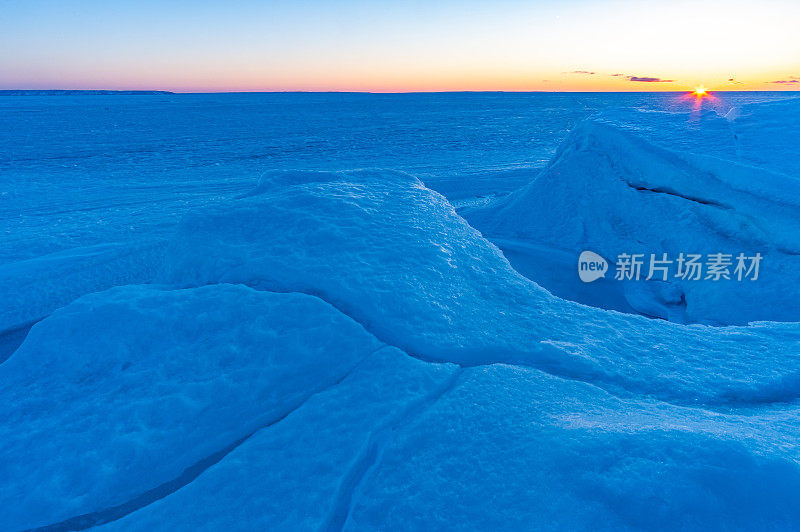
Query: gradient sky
394	46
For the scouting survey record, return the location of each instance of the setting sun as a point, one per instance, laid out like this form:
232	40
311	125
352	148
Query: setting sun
700	92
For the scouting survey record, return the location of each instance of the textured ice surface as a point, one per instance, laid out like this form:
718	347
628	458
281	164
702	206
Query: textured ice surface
285	477
395	256
768	134
86	170
123	390
611	192
515	449
405	445
33	288
342	350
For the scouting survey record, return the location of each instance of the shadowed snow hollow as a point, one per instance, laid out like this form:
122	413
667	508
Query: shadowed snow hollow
613	193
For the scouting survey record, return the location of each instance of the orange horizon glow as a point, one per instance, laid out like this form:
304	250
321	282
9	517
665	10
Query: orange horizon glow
423	83
395	46
520	85
225	77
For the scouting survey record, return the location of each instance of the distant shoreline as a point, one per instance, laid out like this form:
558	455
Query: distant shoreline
71	92
102	92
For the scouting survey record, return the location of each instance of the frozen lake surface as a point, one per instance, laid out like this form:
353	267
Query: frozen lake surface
81	170
363	312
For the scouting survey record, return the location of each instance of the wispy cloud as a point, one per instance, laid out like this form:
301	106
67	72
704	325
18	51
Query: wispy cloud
734	81
790	80
587	72
643	79
649	80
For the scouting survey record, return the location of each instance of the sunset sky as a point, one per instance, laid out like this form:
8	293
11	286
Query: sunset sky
394	46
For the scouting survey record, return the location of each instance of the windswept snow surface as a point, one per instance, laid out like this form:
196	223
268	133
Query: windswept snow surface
395	256
768	134
613	193
34	288
281	479
123	390
561	416
341	350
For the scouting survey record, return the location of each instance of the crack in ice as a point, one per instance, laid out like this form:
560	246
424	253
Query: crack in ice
371	453
116	512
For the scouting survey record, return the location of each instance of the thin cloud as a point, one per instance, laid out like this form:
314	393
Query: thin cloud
649	80
587	72
617	75
791	80
734	81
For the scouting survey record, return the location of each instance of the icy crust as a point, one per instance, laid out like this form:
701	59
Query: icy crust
32	289
395	256
707	130
612	192
301	473
123	390
514	449
768	134
605	420
764	134
405	445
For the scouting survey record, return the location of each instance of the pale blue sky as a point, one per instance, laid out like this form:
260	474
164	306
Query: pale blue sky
399	46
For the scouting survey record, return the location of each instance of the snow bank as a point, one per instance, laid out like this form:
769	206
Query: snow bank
395	256
611	192
768	134
513	449
706	130
405	445
283	479
33	288
122	391
762	133
378	364
204	405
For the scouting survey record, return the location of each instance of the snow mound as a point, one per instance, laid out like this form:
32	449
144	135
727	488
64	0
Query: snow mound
768	134
551	454
375	344
611	192
305	483
33	288
705	130
123	391
343	351
396	257
405	445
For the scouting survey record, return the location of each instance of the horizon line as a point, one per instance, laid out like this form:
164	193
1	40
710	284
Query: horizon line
466	91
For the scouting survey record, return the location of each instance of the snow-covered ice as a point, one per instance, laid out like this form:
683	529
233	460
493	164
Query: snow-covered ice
195	335
395	256
123	390
312	479
612	192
